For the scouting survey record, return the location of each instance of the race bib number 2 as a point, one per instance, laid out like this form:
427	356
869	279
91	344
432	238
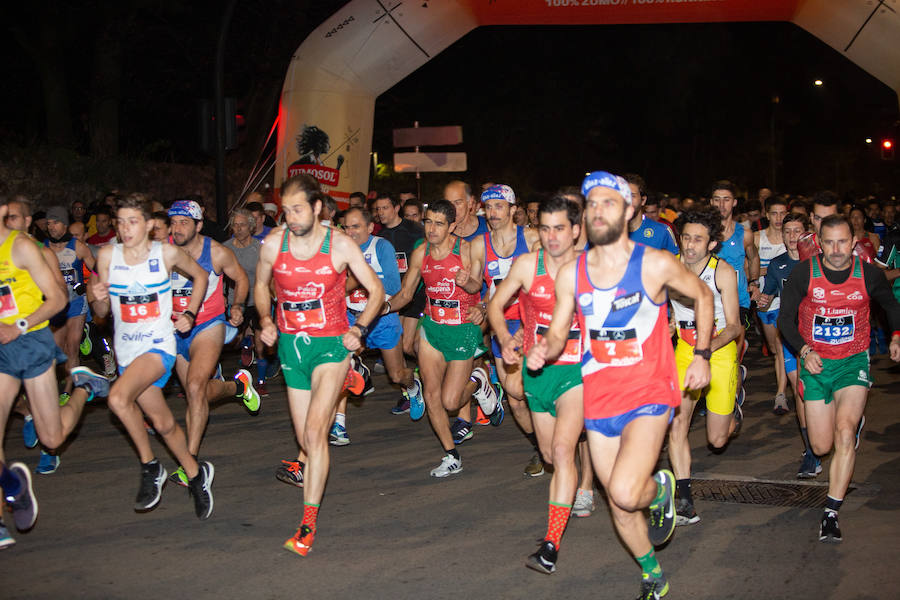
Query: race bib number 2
616	347
833	330
137	309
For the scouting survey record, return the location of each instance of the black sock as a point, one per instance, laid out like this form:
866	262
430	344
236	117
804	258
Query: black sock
238	388
805	436
533	439
454	453
832	504
684	489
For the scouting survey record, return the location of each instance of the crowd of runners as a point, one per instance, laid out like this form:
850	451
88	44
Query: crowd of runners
603	318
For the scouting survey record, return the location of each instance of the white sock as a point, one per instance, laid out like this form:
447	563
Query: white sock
340	419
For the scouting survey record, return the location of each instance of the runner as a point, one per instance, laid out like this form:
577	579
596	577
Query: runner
553	393
28	356
701	231
628	366
449	338
826	204
497	250
792	228
825	314
413	210
71	254
198	349
769	244
385	332
309	264
133	283
641	228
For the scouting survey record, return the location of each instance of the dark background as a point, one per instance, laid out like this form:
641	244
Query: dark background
680	104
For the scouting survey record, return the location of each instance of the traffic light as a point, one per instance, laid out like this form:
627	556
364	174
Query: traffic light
887	149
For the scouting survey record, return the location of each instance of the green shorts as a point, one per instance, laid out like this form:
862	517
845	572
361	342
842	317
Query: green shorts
544	387
455	342
301	354
836	374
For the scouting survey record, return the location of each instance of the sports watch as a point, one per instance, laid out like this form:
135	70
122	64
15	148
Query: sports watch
704	354
22	324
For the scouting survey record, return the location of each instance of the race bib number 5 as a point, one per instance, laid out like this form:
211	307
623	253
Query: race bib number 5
833	330
571	354
616	347
445	312
136	309
304	315
181	299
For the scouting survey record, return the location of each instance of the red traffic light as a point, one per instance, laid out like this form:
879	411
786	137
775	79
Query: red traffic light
887	144
887	149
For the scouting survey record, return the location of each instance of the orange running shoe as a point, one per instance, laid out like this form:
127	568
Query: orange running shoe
354	383
480	418
302	541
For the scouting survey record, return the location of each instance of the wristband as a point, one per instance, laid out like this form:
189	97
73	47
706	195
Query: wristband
388	302
803	355
363	330
191	315
704	354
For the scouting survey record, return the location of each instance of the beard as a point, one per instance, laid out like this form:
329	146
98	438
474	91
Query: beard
300	229
612	233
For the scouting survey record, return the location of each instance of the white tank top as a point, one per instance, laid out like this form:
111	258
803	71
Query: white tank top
768	251
141	303
684	316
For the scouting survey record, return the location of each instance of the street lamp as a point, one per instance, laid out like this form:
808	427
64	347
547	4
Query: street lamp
868	140
818	83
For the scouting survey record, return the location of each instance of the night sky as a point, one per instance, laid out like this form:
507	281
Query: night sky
680	104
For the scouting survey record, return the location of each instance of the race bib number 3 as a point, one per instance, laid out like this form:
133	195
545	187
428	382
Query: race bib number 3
833	330
8	306
571	354
616	347
304	315
137	309
445	312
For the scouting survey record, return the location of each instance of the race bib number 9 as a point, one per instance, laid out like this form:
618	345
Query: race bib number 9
833	330
304	315
181	299
445	312
616	347
8	306
571	354
137	309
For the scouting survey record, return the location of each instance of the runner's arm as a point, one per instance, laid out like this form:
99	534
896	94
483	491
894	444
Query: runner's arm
100	283
390	271
472	255
53	262
410	281
262	297
879	290
85	254
175	257
234	271
509	287
27	256
792	293
356	263
549	347
752	257
726	281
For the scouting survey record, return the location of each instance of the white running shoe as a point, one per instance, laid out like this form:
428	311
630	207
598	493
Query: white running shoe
449	466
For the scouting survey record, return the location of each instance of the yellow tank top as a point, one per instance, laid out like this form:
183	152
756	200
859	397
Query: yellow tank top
19	294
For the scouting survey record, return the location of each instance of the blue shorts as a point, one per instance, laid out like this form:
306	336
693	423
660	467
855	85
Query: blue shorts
168	362
384	334
183	340
513	325
77	307
613	426
790	361
29	355
768	317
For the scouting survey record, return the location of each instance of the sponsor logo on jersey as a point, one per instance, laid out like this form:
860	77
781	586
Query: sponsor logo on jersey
626	301
857	295
818	293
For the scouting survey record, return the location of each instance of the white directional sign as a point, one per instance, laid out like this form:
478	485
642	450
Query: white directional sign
423	162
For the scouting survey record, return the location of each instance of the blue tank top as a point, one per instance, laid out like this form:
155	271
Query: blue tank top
732	252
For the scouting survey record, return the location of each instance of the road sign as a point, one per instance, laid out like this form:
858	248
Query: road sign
408	137
423	162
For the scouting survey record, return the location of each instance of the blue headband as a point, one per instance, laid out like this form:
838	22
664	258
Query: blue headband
607	180
499	192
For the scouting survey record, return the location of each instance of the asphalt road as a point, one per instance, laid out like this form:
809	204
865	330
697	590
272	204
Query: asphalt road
387	530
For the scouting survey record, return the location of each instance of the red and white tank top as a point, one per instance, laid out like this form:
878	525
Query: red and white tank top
625	342
496	269
309	293
834	319
537	311
214	300
445	302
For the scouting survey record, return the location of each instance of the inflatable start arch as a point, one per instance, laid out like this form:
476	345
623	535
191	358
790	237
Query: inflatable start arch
328	100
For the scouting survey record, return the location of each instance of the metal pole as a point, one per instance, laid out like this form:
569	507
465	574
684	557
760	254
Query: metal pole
219	102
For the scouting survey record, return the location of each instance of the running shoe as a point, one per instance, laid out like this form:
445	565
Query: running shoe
662	515
338	435
480	419
829	530
781	407
353	382
97	386
544	560
486	396
378	367
653	588
535	466
859	428
246	354
24	505
584	503
200	487
273	369
179	477
745	373
461	431
86	345
738	411
262	389
302	541
810	467
402	406
363	370
64	398
449	466
6	540
29	434
47	464
153	478
685	513
250	397
290	471
416	398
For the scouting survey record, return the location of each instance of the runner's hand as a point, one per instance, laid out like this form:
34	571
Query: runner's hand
462	277
10	332
269	333
101	290
184	323
697	375
764	300
511	351
895	350
237	316
351	340
475	314
537	356
813	363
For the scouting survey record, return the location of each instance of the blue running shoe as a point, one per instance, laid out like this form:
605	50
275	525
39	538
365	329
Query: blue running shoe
29	435
461	431
338	435
416	400
6	540
95	385
48	463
